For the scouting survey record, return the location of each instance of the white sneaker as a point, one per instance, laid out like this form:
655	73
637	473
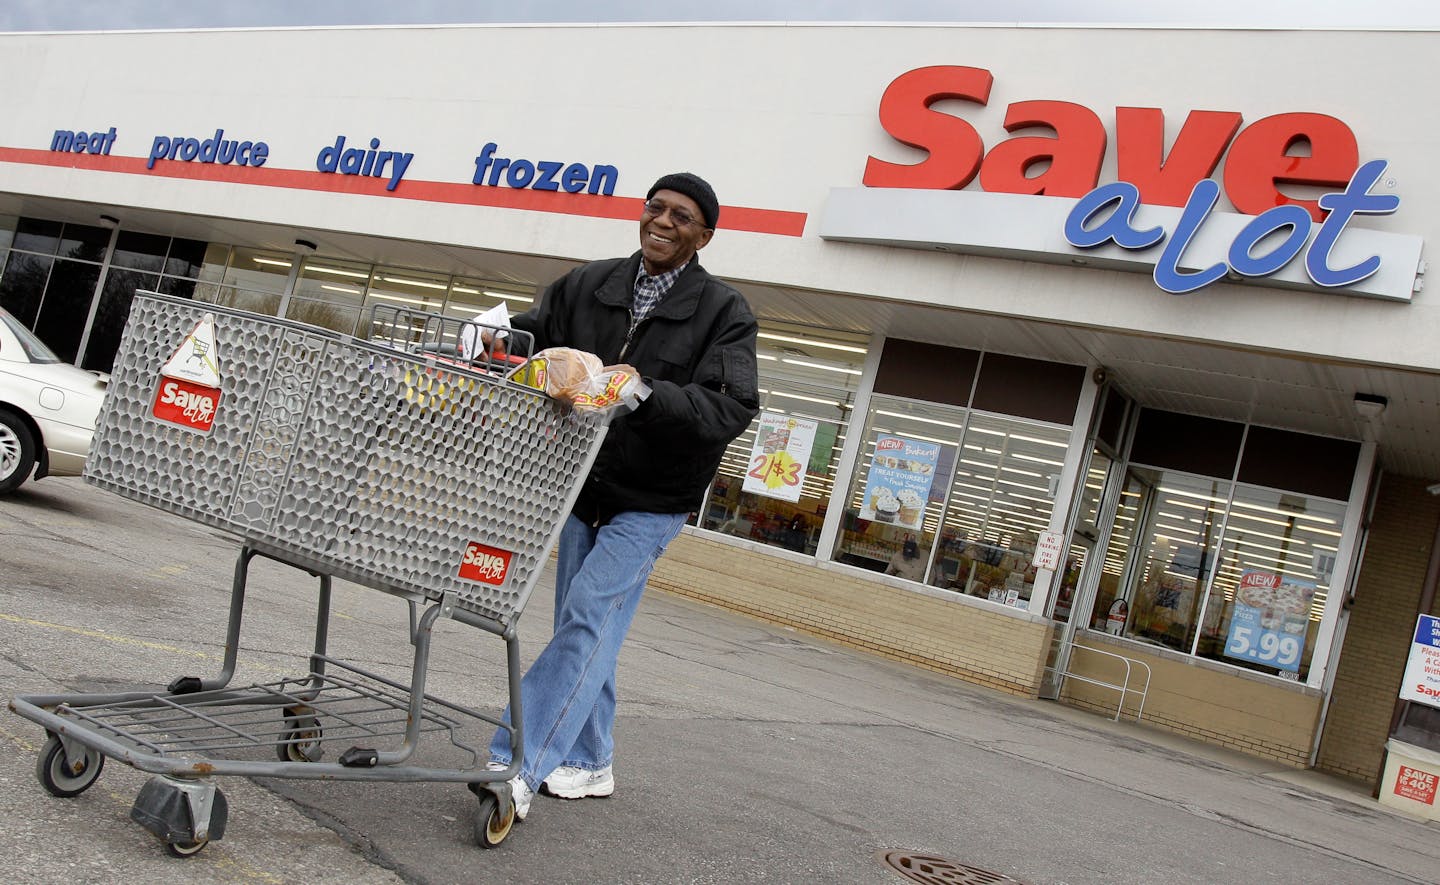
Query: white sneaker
520	792
569	782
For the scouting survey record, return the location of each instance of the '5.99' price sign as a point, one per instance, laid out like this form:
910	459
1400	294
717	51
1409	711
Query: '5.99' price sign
1252	639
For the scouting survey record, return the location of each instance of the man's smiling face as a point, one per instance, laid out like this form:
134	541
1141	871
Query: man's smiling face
668	241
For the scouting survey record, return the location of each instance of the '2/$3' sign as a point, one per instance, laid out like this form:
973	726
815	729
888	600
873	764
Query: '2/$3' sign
1262	161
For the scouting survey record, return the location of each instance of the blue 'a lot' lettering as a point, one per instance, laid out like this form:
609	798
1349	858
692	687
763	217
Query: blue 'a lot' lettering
542	175
1121	200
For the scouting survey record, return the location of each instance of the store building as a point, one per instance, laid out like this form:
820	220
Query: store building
1124	328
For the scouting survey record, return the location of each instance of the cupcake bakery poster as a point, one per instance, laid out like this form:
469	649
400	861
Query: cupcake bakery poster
898	484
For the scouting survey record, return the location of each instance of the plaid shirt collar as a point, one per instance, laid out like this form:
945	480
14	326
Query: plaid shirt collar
651	290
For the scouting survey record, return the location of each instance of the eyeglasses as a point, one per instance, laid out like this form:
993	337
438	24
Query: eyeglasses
655	208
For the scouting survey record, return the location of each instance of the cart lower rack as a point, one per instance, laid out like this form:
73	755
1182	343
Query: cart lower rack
430	479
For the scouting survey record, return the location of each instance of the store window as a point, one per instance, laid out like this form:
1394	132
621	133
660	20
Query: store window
83	242
1180	516
413	289
209	280
896	498
186	259
469	297
959	468
775	483
141	261
111	314
50	277
1001	500
37	235
328	293
952	499
140	251
65	306
1225	569
254	280
7	234
1276	560
397	295
22	285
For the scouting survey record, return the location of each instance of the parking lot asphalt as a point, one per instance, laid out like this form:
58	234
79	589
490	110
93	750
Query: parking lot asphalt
745	752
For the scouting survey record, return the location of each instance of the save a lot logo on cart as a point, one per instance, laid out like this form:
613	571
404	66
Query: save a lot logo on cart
484	564
188	391
1295	179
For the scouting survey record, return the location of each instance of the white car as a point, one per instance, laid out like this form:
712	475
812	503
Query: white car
47	409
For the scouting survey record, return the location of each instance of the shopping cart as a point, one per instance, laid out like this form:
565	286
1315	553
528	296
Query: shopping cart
435	478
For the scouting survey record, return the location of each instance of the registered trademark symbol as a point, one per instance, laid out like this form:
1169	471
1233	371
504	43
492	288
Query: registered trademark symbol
1390	182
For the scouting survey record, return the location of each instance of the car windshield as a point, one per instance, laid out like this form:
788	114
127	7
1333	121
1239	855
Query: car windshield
35	349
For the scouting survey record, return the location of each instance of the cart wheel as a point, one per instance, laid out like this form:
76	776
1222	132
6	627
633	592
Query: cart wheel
300	742
62	778
490	828
185	849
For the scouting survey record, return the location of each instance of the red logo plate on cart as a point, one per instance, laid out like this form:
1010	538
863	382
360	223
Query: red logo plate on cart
486	565
186	404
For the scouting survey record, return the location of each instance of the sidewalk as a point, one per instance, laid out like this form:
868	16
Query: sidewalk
745	752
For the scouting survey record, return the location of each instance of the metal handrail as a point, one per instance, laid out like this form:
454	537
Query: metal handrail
1124	688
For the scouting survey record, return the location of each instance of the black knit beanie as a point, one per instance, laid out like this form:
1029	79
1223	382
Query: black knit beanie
694	187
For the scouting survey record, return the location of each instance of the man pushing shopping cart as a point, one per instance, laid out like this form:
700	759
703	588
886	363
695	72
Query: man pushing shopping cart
662	317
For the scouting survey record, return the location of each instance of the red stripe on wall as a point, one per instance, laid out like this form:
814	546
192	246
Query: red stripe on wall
760	221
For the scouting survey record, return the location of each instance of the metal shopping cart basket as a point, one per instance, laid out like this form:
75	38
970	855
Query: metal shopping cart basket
397	463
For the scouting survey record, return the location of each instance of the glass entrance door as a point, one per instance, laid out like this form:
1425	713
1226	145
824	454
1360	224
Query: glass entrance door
1075	598
1093	562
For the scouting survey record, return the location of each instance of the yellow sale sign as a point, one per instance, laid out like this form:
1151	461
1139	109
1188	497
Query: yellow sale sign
779	455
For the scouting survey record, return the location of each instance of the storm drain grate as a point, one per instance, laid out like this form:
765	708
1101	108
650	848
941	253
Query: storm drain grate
931	870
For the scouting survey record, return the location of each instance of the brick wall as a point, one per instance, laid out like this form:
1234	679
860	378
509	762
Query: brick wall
1254	715
946	634
1382	621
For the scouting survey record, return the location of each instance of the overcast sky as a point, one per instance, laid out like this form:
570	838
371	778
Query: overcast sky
69	15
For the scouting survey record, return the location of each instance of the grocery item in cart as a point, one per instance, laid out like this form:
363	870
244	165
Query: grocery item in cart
579	378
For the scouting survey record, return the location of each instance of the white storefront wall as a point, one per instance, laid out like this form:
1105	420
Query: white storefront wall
776	116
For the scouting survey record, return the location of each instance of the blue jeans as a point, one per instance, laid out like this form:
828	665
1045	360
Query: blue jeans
568	694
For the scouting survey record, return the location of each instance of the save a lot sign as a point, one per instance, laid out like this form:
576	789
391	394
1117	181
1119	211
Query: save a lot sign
1160	214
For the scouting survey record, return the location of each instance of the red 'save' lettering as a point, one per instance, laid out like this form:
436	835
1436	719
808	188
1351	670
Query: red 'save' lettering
484	564
186	404
1262	157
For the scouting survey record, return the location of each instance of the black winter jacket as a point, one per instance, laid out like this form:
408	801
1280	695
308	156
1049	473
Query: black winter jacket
696	350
